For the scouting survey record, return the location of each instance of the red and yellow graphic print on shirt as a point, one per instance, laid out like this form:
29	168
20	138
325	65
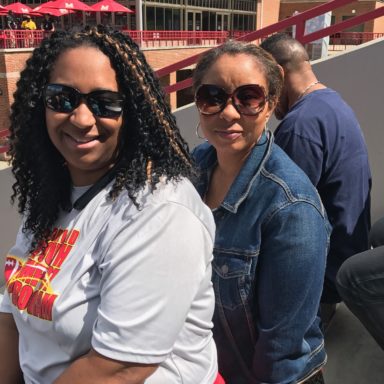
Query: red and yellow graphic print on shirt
29	281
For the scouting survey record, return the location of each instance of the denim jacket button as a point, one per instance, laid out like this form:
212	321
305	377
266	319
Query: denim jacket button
224	269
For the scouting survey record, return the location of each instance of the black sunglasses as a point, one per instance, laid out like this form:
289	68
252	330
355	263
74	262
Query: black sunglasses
65	99
248	99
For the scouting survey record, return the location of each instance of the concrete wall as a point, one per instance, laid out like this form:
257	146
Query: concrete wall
187	118
267	12
357	76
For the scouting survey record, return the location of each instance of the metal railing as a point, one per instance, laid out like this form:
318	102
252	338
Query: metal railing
176	39
298	21
353	38
145	39
21	38
3	141
161	39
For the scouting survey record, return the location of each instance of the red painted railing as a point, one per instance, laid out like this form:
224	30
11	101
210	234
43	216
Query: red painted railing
20	38
160	39
353	38
156	39
145	39
3	141
297	21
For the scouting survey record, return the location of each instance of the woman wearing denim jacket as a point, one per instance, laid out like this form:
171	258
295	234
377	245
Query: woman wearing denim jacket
272	233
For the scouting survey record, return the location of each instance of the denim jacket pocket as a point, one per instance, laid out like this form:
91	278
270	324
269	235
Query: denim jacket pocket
233	279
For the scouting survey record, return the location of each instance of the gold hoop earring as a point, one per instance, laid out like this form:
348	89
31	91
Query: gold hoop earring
197	132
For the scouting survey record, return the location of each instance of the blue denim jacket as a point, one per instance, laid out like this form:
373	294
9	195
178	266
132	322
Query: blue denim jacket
270	252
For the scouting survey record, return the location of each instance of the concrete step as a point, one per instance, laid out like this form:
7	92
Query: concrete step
353	355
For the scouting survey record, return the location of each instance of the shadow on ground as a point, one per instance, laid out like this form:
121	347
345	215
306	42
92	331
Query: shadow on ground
353	355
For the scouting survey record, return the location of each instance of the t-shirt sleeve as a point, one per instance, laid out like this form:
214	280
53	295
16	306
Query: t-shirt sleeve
5	304
20	248
150	276
306	152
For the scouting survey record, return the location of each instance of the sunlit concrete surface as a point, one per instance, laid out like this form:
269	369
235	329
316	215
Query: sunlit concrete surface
4	165
353	355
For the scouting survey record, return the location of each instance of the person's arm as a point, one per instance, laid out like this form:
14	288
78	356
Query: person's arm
289	286
151	271
94	368
10	372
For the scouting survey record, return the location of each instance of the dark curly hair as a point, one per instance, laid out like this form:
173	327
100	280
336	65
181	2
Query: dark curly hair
150	143
268	64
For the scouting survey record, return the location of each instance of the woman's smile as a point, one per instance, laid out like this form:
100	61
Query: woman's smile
229	135
87	141
82	142
229	131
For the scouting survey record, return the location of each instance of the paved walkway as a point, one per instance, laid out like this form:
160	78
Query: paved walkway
4	164
353	355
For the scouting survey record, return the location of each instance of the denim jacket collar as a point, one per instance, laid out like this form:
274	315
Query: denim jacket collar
249	172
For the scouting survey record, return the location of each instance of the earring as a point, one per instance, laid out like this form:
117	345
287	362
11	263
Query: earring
267	135
197	132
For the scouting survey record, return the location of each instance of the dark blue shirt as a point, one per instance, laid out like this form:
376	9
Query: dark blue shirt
322	135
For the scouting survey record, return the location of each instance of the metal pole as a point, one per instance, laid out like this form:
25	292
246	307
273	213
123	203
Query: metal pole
139	15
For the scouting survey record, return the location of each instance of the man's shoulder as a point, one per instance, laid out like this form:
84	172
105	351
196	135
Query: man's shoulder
324	104
322	112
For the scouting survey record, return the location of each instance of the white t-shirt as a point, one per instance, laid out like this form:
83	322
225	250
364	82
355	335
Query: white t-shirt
134	284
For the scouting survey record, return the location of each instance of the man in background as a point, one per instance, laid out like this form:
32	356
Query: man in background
48	25
11	20
28	23
320	132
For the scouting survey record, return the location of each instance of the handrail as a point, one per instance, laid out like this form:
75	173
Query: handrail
297	20
145	39
21	38
353	38
160	39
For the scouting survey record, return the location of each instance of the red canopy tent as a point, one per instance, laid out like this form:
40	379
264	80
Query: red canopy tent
73	5
110	6
19	8
43	9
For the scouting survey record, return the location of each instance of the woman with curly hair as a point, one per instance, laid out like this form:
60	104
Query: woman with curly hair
110	277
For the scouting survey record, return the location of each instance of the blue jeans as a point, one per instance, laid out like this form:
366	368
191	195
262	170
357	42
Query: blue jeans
360	282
